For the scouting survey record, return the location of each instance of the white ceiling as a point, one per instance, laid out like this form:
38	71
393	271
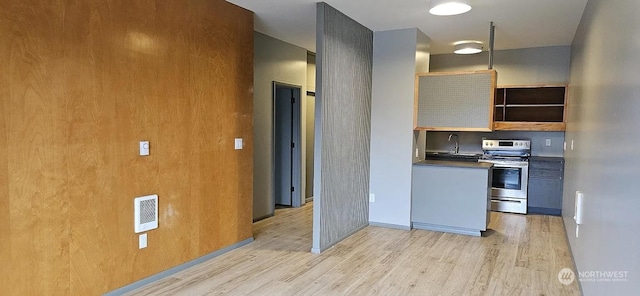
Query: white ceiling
519	23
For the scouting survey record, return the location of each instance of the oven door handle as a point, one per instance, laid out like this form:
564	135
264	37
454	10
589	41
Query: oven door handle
505	200
510	165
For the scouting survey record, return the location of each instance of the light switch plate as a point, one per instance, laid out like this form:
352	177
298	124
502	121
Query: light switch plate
142	241
238	143
372	197
144	148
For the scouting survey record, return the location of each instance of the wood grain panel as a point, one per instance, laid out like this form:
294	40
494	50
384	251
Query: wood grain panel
96	192
529	126
36	171
85	83
5	221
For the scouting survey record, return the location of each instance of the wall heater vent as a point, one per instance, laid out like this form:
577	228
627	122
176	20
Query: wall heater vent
145	213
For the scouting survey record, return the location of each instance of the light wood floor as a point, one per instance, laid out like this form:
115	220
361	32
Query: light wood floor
520	255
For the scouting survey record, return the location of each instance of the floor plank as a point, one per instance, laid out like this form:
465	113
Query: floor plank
519	255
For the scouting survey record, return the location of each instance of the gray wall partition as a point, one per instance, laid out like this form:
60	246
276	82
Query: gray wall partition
343	124
604	97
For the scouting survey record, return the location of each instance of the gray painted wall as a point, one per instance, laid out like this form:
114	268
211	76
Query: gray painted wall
311	72
395	62
274	60
603	123
343	127
471	142
541	65
310	110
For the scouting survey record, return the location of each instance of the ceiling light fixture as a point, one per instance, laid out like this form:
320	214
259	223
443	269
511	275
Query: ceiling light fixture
468	47
449	7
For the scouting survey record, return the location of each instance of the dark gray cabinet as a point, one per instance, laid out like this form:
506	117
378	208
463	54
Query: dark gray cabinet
546	176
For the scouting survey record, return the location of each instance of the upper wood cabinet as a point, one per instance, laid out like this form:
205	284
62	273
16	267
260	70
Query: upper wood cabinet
455	101
530	108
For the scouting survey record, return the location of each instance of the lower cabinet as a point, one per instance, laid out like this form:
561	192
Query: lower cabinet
546	176
451	198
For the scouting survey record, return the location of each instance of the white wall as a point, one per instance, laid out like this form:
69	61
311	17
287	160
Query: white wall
603	123
395	61
541	65
274	60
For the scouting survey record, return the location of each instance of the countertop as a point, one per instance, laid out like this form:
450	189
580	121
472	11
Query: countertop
453	163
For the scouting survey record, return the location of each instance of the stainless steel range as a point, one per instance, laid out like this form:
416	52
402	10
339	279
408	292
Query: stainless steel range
510	160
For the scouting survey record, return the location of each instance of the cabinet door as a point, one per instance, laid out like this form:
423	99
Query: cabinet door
455	101
545	193
546	169
545	186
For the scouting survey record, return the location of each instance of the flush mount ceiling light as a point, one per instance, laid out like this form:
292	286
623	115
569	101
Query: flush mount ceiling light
468	47
449	7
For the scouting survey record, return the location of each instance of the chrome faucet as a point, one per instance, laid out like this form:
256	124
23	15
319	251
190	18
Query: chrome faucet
456	148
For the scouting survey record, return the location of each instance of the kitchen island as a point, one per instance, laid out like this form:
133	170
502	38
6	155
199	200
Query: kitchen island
451	196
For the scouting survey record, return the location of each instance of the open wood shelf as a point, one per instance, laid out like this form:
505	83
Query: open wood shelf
530	108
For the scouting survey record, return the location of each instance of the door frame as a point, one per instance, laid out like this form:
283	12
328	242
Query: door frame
296	128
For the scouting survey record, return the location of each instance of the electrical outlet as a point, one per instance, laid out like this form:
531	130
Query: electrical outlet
579	211
547	142
142	241
372	197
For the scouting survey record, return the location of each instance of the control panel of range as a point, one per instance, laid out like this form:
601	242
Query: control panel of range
506	145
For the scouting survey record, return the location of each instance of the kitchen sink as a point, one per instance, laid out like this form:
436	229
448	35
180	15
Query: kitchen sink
453	156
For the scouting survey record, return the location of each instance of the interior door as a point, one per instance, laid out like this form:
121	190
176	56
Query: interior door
283	142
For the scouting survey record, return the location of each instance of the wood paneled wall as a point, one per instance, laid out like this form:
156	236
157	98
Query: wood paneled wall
82	82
